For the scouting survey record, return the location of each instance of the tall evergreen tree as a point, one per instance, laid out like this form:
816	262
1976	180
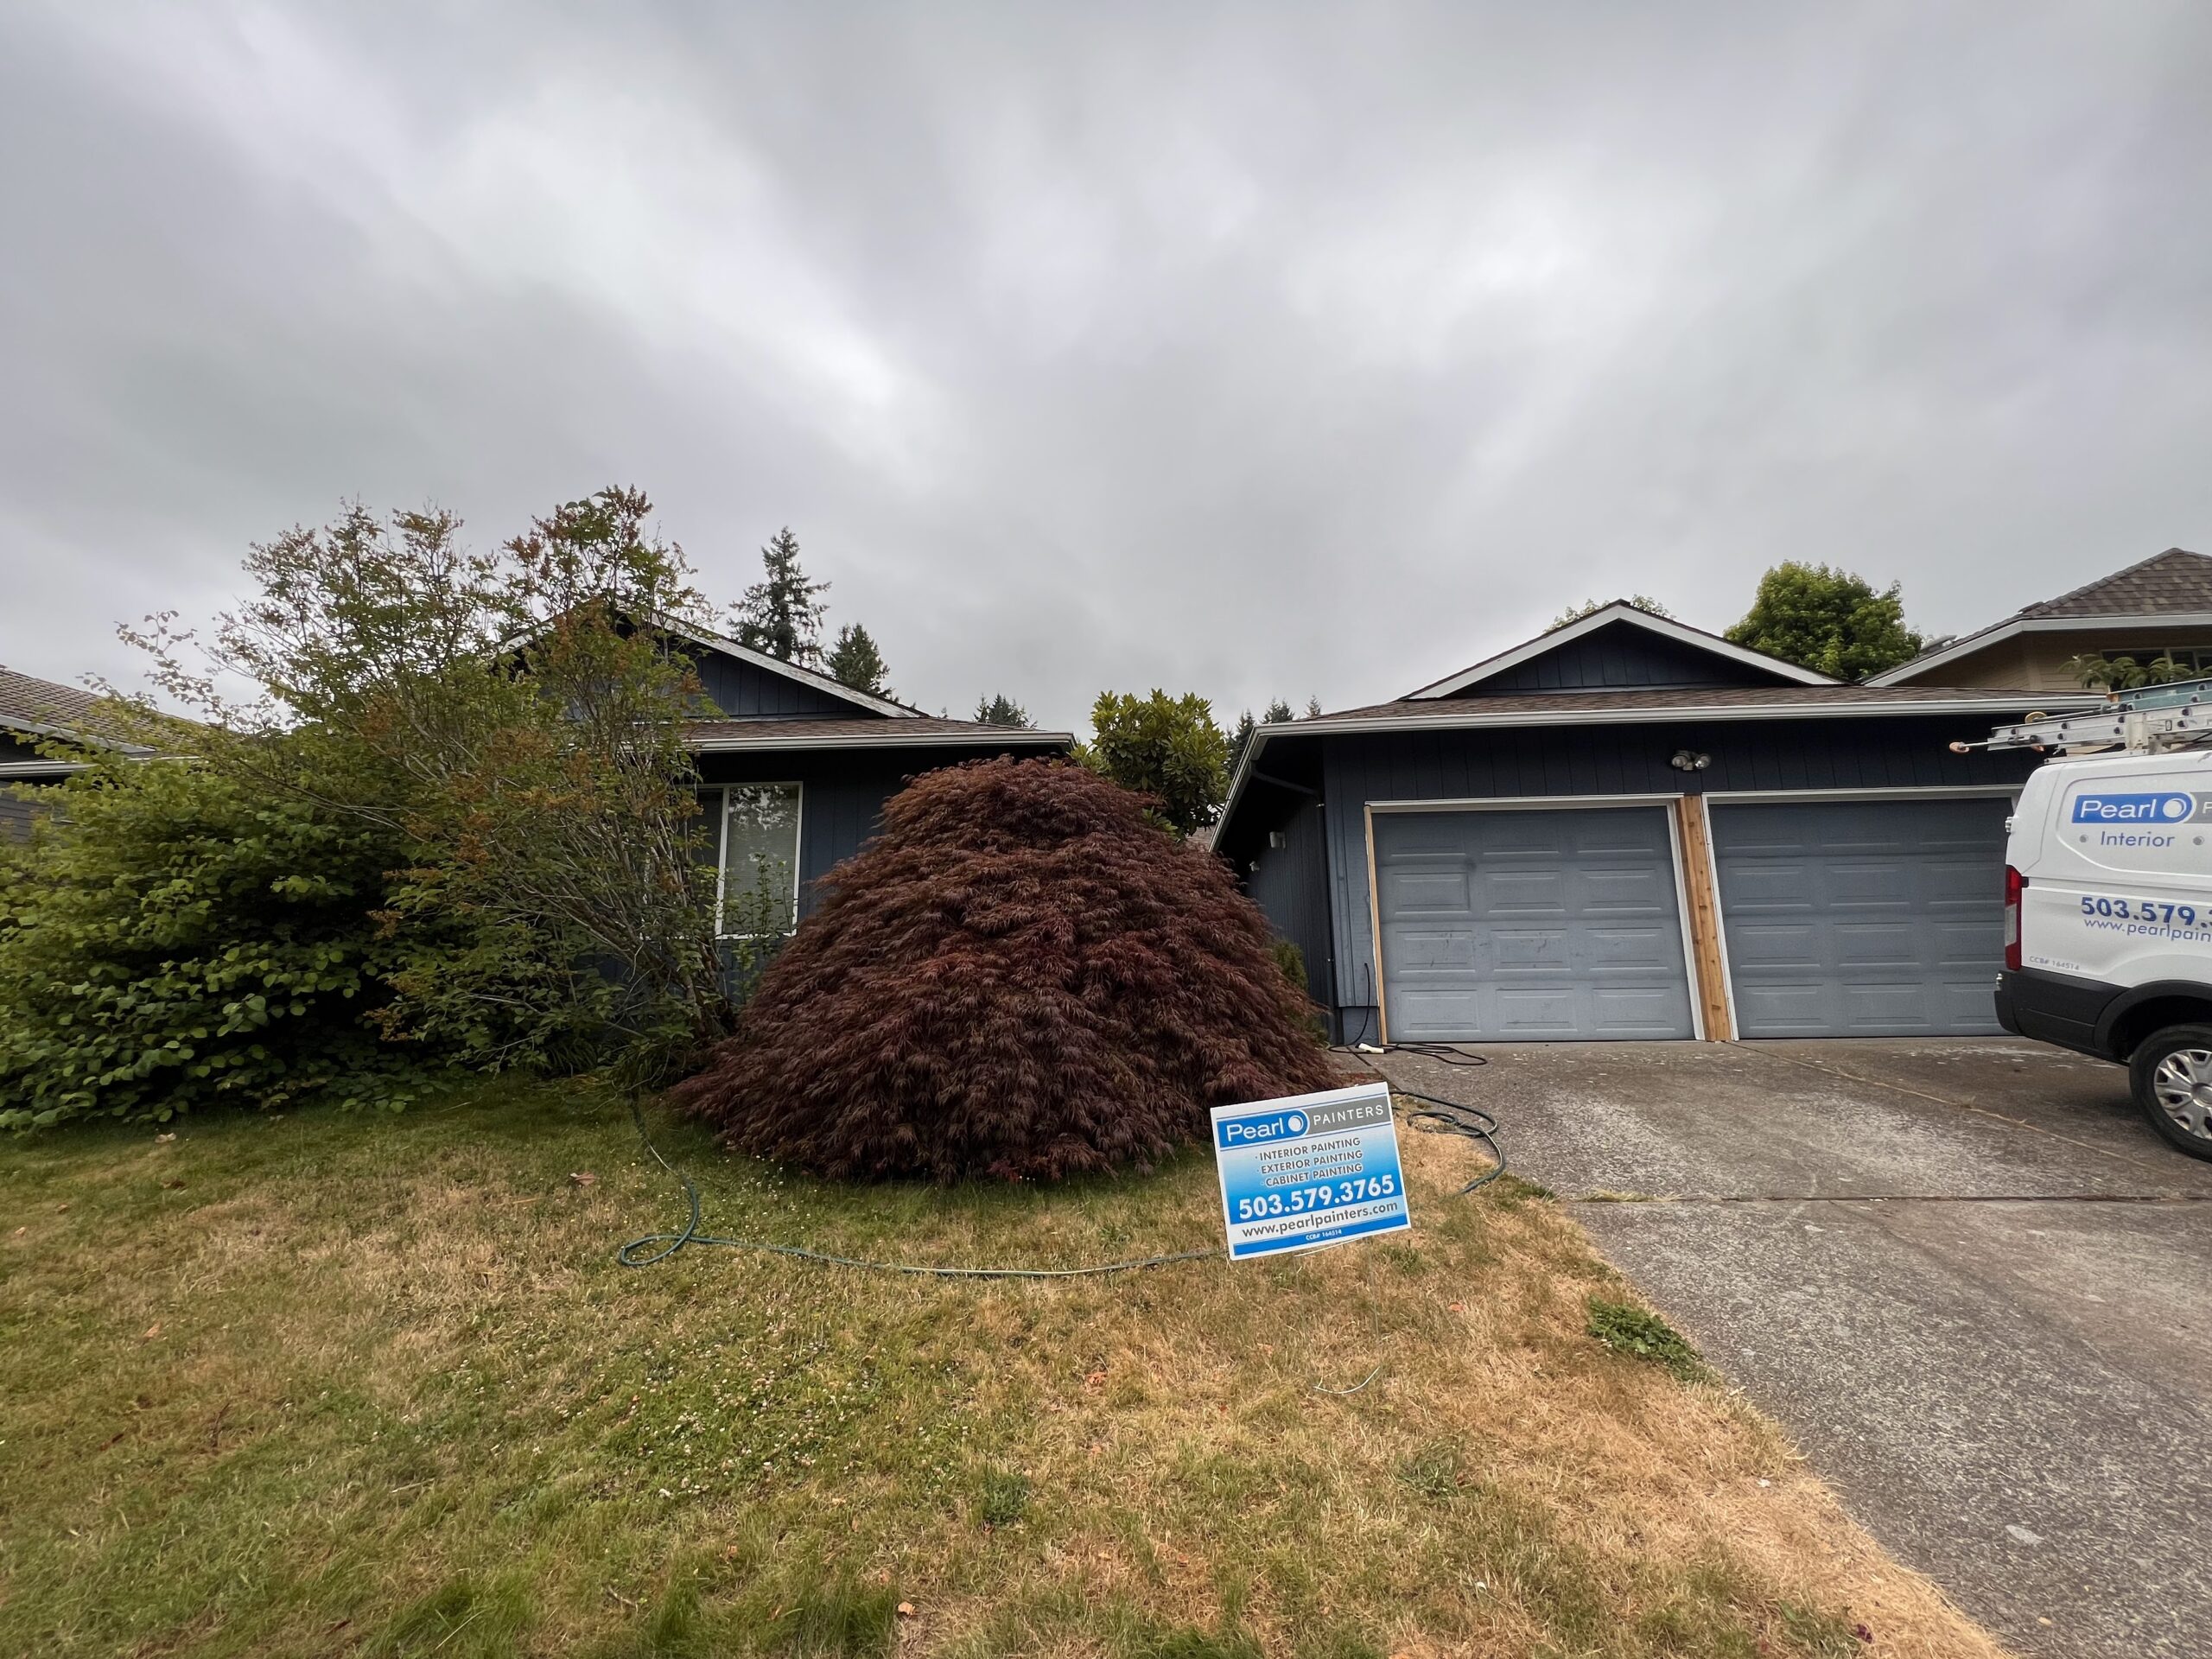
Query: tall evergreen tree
1278	711
780	614
999	709
854	661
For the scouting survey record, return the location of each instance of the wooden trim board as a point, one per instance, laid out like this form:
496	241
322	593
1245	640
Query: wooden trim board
1704	916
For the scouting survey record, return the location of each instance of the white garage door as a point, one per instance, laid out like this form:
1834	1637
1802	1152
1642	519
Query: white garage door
1862	918
1530	923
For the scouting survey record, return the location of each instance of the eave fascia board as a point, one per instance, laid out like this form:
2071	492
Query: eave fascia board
2014	628
890	738
1641	717
1659	717
1665	628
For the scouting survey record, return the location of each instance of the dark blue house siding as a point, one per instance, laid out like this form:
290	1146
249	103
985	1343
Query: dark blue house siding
841	795
1615	759
741	691
1290	883
1620	656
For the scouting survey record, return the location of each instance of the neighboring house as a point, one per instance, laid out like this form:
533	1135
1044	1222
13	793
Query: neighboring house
31	709
798	766
1627	828
2161	607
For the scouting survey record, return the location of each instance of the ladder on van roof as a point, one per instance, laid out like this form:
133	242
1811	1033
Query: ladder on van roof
2144	721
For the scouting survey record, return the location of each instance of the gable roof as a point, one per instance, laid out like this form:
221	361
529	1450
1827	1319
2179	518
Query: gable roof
1829	699
806	677
2172	587
1620	610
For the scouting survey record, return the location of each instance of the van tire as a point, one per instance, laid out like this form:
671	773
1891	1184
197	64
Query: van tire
2145	1079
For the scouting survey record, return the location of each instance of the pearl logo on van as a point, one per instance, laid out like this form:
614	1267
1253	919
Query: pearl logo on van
2165	807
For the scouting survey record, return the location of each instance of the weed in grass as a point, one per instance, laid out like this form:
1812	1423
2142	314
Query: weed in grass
1432	1472
839	1620
1336	1642
1002	1497
1823	1635
1641	1334
460	1619
1193	1643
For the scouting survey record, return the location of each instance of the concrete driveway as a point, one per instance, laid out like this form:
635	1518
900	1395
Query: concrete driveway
1967	1278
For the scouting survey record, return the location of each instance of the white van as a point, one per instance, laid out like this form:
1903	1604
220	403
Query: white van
2108	925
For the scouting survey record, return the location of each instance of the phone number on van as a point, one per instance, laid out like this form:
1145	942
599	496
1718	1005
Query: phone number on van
2141	910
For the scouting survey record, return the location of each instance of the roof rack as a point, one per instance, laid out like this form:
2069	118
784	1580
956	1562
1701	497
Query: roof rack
2144	721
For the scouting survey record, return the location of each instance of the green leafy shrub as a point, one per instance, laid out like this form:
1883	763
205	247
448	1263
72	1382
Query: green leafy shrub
170	940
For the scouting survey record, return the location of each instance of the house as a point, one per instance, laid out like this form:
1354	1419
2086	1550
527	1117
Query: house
796	768
31	709
1629	828
2160	608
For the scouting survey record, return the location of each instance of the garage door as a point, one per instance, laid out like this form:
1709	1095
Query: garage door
1503	924
1862	918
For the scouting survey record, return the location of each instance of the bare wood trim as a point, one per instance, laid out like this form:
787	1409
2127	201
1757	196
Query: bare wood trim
1704	916
1375	931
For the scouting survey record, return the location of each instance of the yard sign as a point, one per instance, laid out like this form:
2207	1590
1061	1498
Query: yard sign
1309	1171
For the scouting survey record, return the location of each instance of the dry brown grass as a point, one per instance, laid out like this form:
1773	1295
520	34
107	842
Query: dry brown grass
397	1399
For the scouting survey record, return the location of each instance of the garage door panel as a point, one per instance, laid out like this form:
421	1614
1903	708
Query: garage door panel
1572	919
1861	917
1533	1014
1776	945
1445	950
1639	948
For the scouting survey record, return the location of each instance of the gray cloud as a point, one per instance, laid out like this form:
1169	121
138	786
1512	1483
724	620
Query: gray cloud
1271	351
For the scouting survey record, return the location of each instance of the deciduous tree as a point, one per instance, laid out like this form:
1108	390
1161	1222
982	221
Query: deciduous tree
1167	748
1827	619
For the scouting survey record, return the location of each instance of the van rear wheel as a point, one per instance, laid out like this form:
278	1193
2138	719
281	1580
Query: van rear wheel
2172	1074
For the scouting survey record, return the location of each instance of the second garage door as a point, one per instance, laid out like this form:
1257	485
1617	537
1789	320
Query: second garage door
1530	923
1862	918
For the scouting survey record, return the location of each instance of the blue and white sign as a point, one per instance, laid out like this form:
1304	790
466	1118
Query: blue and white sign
2167	806
1312	1170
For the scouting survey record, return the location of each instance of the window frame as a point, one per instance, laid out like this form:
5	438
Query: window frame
797	786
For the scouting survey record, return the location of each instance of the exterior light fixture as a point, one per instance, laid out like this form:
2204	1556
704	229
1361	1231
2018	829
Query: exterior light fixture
1690	760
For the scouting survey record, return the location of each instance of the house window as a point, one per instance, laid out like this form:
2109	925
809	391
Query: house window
2194	661
760	885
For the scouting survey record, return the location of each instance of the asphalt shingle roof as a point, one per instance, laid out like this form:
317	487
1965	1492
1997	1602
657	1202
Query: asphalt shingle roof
2175	580
29	703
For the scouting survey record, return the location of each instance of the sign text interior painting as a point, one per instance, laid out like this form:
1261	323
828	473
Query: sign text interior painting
1312	1170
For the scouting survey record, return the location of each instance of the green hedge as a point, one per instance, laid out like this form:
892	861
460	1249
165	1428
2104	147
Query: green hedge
168	942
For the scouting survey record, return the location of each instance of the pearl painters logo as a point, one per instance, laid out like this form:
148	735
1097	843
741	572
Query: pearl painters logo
2166	807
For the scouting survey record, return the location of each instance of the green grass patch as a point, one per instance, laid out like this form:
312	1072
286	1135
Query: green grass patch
320	1383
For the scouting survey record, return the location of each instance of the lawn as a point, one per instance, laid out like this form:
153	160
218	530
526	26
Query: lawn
322	1383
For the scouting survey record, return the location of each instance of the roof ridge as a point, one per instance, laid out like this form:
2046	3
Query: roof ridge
2044	606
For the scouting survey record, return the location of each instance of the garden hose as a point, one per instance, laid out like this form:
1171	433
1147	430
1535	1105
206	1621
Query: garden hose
1435	1115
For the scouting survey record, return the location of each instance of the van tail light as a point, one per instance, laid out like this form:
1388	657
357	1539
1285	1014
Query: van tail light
2014	881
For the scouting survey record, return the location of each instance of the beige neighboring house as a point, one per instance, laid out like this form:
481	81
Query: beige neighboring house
32	709
2161	607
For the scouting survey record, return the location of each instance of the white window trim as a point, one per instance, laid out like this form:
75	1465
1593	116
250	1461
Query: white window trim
721	854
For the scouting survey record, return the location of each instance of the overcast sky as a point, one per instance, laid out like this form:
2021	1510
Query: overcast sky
1268	351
